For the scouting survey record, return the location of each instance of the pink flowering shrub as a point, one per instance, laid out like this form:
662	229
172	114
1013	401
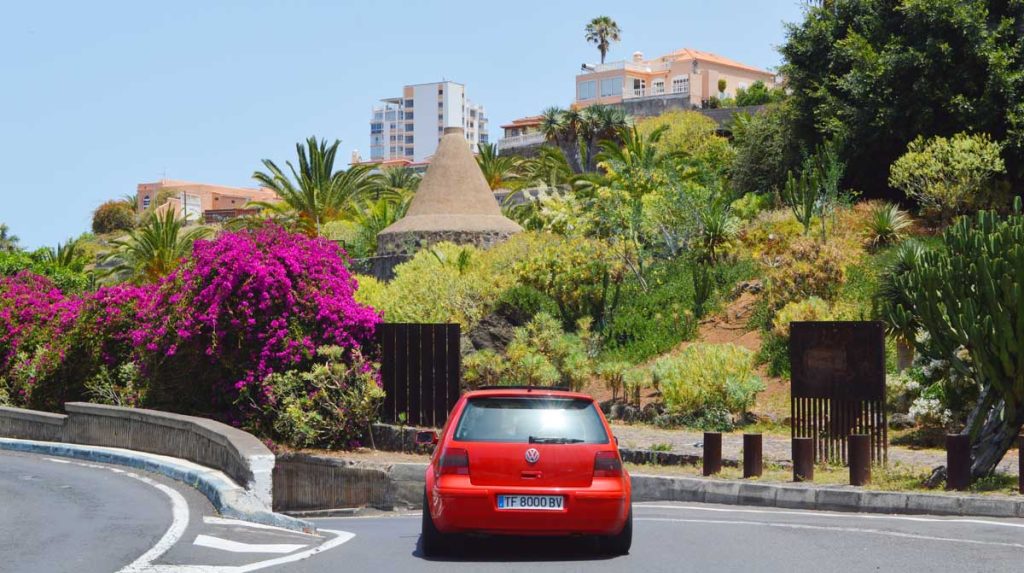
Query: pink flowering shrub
52	343
206	339
243	306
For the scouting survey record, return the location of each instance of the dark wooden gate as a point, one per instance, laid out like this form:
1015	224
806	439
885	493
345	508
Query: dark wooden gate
420	372
838	386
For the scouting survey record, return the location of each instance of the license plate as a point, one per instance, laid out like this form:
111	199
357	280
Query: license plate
534	502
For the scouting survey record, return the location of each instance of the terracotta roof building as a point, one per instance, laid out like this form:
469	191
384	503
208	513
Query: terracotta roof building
687	77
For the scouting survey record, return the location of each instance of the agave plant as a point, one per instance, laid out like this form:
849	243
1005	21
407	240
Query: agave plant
887	225
151	250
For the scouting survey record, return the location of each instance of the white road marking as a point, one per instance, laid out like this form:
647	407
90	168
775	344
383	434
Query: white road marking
56	461
814	513
239	547
213	520
831	528
339	538
179	520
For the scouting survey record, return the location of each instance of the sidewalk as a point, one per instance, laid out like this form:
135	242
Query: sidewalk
776	448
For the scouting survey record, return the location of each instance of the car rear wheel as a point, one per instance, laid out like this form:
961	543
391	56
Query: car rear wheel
620	543
432	541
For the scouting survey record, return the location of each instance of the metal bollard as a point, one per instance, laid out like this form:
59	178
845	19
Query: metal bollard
1020	462
752	465
860	459
712	453
803	459
958	462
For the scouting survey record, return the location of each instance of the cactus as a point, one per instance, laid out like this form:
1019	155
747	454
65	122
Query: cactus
971	296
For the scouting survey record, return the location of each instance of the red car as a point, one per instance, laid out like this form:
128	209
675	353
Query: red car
526	461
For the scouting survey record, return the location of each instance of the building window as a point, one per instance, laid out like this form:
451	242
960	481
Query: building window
586	90
408	139
408	151
681	85
639	87
658	87
145	201
611	87
408	103
408	115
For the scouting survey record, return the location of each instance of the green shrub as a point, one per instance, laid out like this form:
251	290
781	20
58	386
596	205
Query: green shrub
578	274
484	368
649	323
329	405
613	376
751	205
520	303
948	176
803	310
809	268
705	377
120	385
113	216
542	341
887	224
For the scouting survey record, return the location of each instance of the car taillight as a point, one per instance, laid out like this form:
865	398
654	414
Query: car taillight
455	461
607	464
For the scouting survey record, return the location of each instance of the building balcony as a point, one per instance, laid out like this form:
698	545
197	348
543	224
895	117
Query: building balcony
632	93
627	66
535	138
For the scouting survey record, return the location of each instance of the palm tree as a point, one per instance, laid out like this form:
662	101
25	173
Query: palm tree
561	127
602	31
498	170
8	242
316	192
371	218
549	168
67	255
395	182
637	167
599	123
151	250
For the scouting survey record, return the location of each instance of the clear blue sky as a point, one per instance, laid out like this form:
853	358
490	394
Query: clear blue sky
96	97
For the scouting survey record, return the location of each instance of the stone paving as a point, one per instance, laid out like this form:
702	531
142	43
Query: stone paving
775	448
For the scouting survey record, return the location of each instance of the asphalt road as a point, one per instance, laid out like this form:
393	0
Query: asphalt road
64	516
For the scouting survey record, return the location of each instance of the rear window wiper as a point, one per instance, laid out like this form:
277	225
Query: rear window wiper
536	440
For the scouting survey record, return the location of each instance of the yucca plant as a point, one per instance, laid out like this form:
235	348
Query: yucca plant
887	224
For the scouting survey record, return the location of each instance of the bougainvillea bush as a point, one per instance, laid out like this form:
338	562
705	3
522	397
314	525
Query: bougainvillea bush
206	339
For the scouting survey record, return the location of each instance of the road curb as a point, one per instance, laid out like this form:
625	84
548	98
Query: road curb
825	498
228	498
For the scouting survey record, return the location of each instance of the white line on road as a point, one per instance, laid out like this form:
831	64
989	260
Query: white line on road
812	513
339	538
213	520
239	547
179	519
831	528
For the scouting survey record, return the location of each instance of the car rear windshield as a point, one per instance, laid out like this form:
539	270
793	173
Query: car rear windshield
525	420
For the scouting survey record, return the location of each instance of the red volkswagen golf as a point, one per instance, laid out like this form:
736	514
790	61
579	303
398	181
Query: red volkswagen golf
526	461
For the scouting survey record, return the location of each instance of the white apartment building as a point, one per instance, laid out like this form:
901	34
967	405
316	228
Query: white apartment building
409	127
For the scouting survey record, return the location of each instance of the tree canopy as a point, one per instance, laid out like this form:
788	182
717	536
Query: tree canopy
877	74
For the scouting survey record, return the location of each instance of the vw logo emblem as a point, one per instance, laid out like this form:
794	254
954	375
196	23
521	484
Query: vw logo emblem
532	455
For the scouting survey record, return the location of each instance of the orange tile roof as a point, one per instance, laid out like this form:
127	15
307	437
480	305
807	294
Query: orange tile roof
690	53
523	121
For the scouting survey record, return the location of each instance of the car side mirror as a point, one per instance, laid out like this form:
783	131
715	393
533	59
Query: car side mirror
616	440
424	438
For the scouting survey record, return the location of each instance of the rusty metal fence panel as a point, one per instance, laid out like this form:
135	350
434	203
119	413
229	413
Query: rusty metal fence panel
838	386
420	372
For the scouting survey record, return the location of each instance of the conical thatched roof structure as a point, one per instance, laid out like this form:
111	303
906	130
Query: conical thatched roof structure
453	203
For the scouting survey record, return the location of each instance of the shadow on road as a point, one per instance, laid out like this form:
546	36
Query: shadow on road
504	549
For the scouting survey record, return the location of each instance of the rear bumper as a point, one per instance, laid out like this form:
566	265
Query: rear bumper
460	507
